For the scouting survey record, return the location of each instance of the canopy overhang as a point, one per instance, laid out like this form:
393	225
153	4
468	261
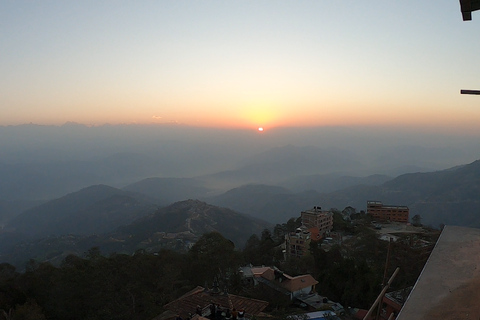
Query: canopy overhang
467	6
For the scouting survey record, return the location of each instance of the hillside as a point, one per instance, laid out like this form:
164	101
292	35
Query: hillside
95	209
11	208
271	203
173	227
278	164
449	196
169	190
195	218
331	182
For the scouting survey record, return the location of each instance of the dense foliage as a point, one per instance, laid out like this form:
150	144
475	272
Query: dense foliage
117	287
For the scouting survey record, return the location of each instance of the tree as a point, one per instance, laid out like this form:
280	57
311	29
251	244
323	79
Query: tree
417	220
212	256
28	311
339	224
292	224
252	249
266	235
279	232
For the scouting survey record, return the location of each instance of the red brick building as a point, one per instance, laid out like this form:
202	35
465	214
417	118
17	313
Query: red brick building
382	212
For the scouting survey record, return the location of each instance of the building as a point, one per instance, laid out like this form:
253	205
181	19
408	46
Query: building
297	244
316	225
293	287
320	219
382	212
393	302
317	315
198	301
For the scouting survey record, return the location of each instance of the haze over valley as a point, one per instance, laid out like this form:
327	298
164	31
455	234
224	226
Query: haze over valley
84	181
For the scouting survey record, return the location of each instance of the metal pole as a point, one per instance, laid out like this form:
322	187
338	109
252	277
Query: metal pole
369	313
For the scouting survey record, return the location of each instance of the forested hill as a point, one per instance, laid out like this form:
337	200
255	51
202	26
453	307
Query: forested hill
449	196
95	209
195	217
166	191
175	227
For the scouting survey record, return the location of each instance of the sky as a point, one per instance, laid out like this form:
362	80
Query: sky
240	64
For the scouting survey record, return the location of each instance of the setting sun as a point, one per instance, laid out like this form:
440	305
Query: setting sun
260	129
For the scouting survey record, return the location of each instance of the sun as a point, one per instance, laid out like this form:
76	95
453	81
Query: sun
260	129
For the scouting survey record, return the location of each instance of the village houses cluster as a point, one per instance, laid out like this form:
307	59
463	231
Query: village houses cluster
316	225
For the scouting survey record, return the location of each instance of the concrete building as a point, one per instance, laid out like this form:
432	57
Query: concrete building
292	287
316	225
297	244
320	219
382	212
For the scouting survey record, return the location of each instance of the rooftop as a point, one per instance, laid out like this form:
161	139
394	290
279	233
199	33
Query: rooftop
200	297
448	286
384	206
317	211
279	279
467	6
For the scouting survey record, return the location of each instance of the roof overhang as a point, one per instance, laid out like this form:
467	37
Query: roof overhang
467	6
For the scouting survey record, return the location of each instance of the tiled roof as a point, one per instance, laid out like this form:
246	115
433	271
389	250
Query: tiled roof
289	283
260	271
299	282
200	297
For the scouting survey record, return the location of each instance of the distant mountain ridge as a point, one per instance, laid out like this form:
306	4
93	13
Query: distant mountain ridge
171	227
169	190
281	163
271	203
450	196
95	209
195	217
331	182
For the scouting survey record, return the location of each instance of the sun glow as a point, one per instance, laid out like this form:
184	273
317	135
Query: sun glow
260	114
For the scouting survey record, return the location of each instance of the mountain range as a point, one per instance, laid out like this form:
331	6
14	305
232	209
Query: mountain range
127	220
92	210
450	196
447	196
79	182
174	227
194	218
